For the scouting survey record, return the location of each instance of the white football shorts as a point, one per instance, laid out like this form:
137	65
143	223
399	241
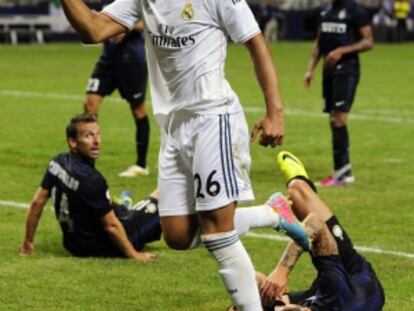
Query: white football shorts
204	163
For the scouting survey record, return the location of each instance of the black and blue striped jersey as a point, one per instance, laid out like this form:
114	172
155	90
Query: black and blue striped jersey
81	198
340	25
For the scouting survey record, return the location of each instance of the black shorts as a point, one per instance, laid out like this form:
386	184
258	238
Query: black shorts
129	78
339	92
371	295
91	247
142	227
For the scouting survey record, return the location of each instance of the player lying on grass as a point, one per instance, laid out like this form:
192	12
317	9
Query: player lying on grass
93	225
345	279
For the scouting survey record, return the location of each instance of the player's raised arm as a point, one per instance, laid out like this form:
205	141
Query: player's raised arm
272	125
93	27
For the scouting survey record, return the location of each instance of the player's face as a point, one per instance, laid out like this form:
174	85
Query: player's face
88	140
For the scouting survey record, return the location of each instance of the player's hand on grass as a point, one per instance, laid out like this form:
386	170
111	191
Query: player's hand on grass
332	58
272	131
274	286
27	249
308	79
145	257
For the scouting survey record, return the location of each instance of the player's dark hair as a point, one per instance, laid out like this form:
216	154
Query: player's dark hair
72	127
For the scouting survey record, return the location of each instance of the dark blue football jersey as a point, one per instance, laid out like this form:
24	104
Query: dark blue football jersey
334	287
340	24
336	290
81	198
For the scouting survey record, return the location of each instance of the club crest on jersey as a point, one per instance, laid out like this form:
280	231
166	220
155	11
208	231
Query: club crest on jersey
187	12
342	14
337	231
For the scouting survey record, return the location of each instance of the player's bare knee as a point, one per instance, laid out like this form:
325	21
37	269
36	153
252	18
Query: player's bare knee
86	106
176	239
338	119
216	221
92	103
139	110
296	192
297	187
179	232
178	244
90	107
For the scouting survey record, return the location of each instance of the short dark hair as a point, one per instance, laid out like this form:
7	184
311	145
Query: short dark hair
72	127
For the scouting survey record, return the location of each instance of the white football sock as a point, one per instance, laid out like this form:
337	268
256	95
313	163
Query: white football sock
195	243
255	217
235	268
245	218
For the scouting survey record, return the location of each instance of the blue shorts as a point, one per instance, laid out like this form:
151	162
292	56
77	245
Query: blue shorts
129	78
339	92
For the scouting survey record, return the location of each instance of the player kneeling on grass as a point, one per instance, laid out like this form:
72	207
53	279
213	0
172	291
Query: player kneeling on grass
345	280
91	223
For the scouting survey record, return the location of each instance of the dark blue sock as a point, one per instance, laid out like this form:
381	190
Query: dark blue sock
142	140
340	146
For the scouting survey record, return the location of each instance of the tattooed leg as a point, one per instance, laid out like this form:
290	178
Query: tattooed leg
305	201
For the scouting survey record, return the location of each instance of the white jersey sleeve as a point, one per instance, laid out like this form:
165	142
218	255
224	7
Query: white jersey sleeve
237	19
125	12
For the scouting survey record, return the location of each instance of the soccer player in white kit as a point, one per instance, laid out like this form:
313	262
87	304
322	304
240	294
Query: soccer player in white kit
204	158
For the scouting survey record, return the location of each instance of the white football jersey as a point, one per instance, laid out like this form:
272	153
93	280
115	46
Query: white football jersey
186	45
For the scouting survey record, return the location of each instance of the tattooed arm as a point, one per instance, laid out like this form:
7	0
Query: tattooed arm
323	243
276	284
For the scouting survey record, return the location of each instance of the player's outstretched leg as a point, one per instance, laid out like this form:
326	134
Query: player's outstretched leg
290	165
288	223
293	168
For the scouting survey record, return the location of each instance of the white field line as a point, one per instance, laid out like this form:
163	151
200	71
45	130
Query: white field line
365	249
60	96
361	117
288	111
14	204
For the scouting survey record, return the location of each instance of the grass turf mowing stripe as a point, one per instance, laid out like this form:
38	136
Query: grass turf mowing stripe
293	112
364	249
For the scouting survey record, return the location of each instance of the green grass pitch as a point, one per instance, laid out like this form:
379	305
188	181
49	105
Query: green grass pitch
41	87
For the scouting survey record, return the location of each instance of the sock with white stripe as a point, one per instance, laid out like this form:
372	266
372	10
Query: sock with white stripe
340	146
246	218
235	268
260	216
